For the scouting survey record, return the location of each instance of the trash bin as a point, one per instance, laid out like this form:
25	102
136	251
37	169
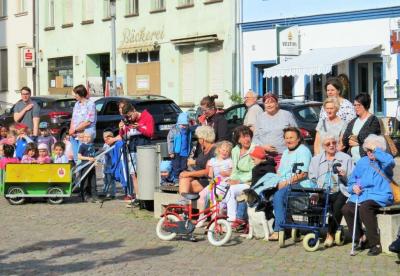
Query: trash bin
147	171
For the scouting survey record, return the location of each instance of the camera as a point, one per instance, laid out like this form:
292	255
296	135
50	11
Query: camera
126	120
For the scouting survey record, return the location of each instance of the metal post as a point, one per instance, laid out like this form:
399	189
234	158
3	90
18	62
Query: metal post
113	86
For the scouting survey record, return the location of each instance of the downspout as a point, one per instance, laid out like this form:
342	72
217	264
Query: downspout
35	70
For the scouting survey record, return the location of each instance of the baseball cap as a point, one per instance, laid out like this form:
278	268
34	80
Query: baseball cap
43	125
20	126
258	152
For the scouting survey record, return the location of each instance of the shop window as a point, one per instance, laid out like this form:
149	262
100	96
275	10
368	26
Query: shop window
3	8
378	91
132	7
157	5
3	70
363	78
21	6
132	58
60	72
87	10
287	87
154	55
318	91
50	13
143	57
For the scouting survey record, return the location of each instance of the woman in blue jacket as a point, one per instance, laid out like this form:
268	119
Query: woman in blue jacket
370	183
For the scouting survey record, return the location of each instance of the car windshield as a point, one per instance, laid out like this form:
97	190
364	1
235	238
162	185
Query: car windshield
158	107
309	113
65	103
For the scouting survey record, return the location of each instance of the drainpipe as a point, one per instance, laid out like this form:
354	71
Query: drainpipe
35	70
113	85
239	45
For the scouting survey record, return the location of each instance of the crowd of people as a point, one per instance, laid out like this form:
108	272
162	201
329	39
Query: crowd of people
259	155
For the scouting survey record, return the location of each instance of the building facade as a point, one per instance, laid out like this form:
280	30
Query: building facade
293	57
181	49
16	33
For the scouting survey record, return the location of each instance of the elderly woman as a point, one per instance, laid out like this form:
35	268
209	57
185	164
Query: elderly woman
360	127
196	180
296	152
269	126
211	118
320	171
334	88
332	125
84	117
240	178
369	186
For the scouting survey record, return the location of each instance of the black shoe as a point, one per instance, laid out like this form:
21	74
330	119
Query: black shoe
375	250
395	246
362	245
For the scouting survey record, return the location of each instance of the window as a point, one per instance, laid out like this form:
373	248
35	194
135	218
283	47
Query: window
112	108
157	5
60	72
3	8
132	7
3	70
21	6
87	10
235	115
67	12
50	13
309	114
106	9
185	2
22	75
143	57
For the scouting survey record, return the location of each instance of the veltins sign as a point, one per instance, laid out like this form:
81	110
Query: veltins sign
288	41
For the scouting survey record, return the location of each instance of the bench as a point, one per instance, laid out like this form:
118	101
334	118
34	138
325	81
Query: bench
388	223
164	196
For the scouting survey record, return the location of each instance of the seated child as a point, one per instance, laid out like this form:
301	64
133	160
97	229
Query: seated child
22	140
43	157
109	181
86	153
3	132
165	172
59	156
8	156
45	137
31	154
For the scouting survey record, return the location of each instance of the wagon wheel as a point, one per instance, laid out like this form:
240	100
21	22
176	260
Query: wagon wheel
16	190
55	191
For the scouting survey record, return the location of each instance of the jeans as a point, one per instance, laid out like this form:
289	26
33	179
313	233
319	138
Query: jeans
279	203
179	164
75	147
109	182
241	211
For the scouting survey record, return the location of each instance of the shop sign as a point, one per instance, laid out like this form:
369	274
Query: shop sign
28	54
288	41
135	38
395	41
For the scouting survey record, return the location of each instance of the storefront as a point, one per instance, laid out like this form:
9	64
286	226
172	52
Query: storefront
299	57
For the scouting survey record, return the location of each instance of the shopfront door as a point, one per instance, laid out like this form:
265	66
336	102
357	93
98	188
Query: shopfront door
369	80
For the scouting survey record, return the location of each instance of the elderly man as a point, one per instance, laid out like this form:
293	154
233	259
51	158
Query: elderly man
253	109
27	111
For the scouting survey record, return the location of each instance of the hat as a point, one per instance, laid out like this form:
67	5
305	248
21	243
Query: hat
42	146
258	152
43	125
20	126
183	119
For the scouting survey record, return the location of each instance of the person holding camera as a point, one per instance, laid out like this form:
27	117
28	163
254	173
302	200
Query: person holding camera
137	129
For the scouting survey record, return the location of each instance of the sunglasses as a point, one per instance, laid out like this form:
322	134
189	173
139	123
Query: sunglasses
330	144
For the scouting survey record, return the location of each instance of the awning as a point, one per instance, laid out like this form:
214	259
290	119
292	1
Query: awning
195	40
319	61
126	49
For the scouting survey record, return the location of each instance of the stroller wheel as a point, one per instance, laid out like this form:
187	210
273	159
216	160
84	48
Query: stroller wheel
281	239
311	242
339	237
296	235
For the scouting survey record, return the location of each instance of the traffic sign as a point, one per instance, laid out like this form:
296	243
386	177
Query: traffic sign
28	57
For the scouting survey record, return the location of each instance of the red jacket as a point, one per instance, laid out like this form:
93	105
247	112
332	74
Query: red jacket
146	124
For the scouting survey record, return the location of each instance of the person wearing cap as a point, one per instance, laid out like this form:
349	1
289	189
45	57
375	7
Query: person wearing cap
43	157
179	145
27	111
263	164
22	140
270	125
253	110
45	136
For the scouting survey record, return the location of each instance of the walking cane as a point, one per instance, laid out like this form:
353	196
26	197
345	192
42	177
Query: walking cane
352	253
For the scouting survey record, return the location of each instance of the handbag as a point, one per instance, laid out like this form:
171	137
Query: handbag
395	187
391	146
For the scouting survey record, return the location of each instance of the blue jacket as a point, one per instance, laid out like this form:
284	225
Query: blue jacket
20	146
118	168
374	186
174	140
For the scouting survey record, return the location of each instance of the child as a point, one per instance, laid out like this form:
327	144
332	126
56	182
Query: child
68	148
59	156
43	157
165	172
221	167
31	154
22	140
1	150
107	165
3	132
8	156
45	137
86	153
179	142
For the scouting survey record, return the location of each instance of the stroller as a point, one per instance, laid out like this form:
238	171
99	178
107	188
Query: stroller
307	210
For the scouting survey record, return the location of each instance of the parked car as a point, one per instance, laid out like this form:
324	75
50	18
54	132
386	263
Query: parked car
165	113
56	111
306	114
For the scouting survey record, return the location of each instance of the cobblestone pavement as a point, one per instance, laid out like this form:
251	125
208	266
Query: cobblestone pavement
84	239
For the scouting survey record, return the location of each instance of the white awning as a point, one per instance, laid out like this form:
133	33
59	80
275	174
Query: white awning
319	61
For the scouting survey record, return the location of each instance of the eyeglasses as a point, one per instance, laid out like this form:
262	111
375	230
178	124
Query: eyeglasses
25	94
333	143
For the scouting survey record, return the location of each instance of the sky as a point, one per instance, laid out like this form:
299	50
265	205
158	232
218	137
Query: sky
256	10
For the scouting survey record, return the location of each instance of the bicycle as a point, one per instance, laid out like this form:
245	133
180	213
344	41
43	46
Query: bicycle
179	219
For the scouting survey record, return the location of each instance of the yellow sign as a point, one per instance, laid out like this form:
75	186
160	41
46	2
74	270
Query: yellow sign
38	173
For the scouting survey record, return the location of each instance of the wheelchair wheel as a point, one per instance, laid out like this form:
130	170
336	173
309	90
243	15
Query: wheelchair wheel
162	233
281	239
339	237
296	235
310	242
55	191
16	190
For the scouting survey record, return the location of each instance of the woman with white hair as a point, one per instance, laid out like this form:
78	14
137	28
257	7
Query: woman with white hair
321	172
369	185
